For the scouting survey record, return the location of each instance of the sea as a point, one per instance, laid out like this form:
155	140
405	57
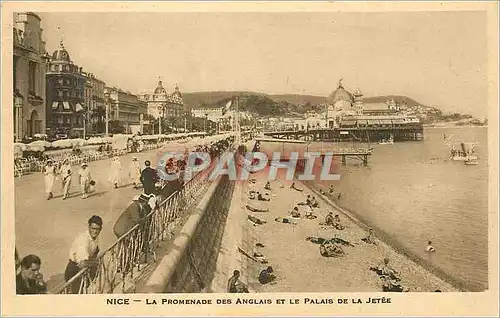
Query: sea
412	193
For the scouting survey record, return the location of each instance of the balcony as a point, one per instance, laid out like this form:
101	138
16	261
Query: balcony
34	99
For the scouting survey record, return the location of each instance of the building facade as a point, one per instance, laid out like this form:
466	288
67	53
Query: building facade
66	109
125	107
29	67
95	102
162	104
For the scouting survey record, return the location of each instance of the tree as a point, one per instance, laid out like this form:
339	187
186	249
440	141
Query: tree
116	127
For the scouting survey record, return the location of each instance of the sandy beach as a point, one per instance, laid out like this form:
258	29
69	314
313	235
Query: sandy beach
297	262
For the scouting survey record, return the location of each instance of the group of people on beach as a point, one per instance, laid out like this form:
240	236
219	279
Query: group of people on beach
336	246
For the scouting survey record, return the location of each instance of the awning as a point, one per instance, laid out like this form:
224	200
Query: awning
55	105
348	123
398	121
386	121
78	107
362	122
373	122
66	105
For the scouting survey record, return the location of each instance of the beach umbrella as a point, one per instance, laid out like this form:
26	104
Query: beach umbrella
39	144
62	143
18	146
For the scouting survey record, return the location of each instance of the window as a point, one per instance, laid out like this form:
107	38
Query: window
14	62
59	93
32	77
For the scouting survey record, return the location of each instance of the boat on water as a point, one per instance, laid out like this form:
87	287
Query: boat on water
465	153
389	141
471	162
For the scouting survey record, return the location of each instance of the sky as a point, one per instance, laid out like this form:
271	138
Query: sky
437	58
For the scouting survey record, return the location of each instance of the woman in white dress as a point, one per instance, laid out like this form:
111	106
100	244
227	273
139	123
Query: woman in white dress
50	175
85	180
66	175
135	172
115	172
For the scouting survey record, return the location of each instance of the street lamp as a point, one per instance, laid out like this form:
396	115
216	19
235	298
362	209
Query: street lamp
160	116
18	109
205	125
106	96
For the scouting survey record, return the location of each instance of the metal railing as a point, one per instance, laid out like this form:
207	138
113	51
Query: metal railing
32	164
118	265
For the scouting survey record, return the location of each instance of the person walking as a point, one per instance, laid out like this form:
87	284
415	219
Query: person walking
135	172
148	178
115	172
50	175
83	253
85	179
66	175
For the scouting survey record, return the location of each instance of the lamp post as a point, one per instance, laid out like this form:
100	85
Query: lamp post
160	116
106	96
18	108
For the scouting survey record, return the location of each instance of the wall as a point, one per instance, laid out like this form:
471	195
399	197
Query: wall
196	269
190	264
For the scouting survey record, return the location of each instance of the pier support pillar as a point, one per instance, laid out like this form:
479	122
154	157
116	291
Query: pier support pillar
343	160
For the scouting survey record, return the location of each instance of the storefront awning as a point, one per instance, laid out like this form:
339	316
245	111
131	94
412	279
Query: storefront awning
66	105
55	105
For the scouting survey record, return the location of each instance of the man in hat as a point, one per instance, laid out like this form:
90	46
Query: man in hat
148	178
50	175
135	172
66	174
85	178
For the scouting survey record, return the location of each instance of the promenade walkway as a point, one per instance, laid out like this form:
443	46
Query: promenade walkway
48	227
297	262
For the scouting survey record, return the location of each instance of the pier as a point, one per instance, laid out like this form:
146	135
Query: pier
406	132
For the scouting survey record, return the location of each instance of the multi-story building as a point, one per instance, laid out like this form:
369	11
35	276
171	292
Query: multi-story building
29	66
126	108
65	96
162	104
94	100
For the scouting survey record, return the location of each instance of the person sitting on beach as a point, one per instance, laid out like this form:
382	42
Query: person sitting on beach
295	188
336	222
309	214
234	285
268	186
266	275
252	209
331	189
256	221
314	203
430	248
329	249
322	192
339	196
369	239
285	220
329	219
251	195
295	212
386	271
260	197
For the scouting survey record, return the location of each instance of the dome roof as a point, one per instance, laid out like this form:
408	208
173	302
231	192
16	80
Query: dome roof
61	54
159	90
340	94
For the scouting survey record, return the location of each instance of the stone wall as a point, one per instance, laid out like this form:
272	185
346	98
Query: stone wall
196	268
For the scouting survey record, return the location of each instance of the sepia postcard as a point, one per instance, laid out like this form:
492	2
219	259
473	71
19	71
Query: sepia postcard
250	158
